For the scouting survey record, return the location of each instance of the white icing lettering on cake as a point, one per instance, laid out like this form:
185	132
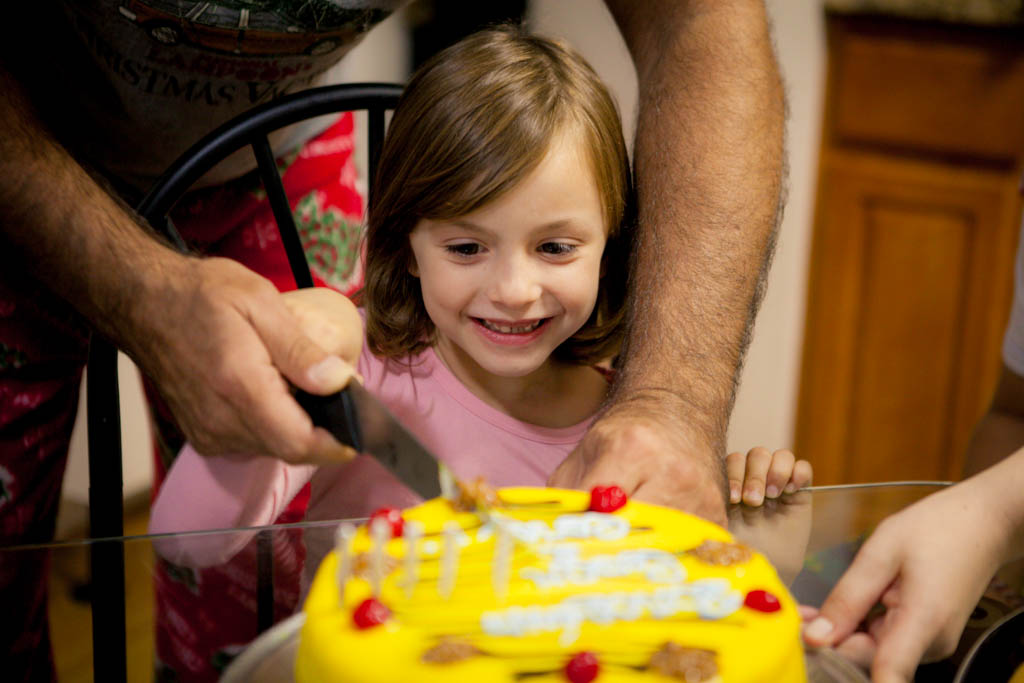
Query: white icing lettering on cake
597	525
708	598
567	567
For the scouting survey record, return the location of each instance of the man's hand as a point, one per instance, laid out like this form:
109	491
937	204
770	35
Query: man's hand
220	342
652	456
214	337
708	160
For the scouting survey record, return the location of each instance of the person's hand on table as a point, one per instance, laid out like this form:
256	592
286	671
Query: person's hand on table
652	456
767	509
928	566
760	473
222	346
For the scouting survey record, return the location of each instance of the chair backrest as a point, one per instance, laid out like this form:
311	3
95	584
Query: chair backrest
106	512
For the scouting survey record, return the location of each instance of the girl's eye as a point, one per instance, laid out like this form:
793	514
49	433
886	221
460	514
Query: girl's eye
557	248
465	249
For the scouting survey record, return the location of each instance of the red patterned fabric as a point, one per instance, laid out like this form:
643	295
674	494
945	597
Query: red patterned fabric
205	617
43	347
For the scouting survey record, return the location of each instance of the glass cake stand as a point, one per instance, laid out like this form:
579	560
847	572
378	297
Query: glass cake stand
271	659
811	538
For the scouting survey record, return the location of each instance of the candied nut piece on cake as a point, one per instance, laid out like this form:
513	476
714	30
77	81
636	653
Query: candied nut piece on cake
362	565
689	664
475	494
450	650
721	553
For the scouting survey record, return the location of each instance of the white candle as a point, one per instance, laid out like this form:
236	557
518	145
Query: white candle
412	533
449	559
342	542
449	489
380	533
502	569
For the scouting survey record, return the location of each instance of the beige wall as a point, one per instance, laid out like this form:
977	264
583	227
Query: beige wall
766	405
765	410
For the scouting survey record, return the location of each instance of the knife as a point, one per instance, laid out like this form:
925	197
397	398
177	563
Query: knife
357	419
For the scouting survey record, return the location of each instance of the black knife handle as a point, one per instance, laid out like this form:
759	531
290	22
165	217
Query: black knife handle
336	413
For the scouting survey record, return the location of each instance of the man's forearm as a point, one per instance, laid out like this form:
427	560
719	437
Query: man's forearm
709	164
58	224
214	337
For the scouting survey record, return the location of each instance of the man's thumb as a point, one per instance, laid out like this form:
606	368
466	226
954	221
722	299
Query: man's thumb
328	375
302	361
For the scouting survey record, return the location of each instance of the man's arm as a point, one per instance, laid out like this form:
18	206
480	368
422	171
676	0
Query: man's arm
1001	431
709	168
214	336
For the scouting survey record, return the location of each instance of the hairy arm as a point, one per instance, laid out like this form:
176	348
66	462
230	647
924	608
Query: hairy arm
709	168
215	337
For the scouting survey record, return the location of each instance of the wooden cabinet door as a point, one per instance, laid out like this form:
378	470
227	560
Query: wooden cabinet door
916	226
910	283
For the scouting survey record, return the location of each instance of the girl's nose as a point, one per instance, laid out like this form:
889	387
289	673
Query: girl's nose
514	283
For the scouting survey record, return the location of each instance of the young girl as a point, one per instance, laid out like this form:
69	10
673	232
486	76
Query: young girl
497	255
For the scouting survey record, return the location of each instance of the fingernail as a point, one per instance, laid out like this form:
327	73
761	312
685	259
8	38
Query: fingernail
790	488
734	493
755	497
819	629
807	612
772	491
330	372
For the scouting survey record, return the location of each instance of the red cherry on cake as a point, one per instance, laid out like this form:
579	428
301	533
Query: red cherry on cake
582	668
606	498
392	516
371	612
762	601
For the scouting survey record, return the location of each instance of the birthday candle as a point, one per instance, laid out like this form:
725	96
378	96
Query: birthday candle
412	534
449	489
449	559
380	532
342	542
502	560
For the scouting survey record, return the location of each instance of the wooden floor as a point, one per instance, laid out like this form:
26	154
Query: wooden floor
71	619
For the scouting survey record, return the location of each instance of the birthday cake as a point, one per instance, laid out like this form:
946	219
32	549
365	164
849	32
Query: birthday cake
546	585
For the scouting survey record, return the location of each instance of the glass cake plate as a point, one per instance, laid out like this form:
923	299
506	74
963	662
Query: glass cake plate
271	659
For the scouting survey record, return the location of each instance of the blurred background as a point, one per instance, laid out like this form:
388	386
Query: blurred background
877	345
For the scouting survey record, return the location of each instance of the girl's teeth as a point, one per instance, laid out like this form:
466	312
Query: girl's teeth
504	329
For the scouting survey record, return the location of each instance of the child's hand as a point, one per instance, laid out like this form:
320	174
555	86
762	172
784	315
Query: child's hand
760	473
778	527
328	318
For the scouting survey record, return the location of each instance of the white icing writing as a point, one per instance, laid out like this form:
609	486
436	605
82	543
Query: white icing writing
567	567
578	526
709	598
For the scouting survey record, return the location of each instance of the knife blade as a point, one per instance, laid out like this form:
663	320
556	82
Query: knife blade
357	419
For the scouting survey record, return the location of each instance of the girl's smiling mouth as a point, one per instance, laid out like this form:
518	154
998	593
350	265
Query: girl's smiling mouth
511	333
517	327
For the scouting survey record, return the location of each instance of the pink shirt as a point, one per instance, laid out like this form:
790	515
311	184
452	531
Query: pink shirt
471	437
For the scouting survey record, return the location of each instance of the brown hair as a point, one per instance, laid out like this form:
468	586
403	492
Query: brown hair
474	121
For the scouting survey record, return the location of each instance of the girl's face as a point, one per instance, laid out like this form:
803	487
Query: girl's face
508	283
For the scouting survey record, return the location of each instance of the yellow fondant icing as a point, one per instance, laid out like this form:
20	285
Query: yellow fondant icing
621	598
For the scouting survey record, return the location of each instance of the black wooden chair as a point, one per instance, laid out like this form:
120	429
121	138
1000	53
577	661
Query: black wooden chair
105	481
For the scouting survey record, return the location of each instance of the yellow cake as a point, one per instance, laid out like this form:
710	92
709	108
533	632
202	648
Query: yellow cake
540	588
